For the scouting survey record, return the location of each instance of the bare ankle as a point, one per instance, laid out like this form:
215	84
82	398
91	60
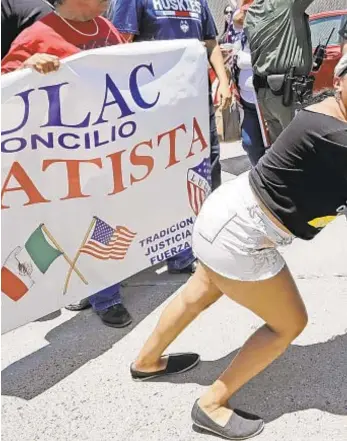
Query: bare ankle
219	413
207	405
145	365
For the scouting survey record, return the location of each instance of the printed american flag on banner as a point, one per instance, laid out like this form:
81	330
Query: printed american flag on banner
198	184
107	242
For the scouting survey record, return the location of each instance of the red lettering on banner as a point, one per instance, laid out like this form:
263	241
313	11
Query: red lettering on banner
116	160
172	143
73	174
119	164
25	184
138	160
200	137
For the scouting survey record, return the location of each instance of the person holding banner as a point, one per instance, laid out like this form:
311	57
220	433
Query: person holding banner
295	190
72	27
145	20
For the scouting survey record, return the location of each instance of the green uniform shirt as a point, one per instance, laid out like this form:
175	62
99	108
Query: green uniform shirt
279	36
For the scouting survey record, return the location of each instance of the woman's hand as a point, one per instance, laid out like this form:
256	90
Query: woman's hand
43	63
224	95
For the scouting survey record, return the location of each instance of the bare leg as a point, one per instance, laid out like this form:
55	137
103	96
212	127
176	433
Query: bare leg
278	302
197	294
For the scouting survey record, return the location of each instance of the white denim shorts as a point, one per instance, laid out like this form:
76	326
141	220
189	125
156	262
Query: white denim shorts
235	238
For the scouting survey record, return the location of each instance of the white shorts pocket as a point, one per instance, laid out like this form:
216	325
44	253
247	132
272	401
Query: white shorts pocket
213	217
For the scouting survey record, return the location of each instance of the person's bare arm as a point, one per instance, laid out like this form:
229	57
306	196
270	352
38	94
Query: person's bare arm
216	59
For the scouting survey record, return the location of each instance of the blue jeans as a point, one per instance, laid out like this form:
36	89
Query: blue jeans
216	170
252	140
186	258
106	298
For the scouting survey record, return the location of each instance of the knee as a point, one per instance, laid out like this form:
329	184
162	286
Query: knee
294	328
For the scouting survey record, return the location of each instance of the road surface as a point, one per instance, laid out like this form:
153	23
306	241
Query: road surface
66	377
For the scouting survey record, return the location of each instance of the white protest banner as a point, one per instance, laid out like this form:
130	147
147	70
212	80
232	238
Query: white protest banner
104	167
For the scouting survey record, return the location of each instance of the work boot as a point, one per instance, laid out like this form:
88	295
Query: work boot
117	316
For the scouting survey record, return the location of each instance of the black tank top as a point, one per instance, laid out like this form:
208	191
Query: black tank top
302	179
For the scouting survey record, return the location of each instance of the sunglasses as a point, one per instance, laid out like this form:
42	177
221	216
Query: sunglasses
228	12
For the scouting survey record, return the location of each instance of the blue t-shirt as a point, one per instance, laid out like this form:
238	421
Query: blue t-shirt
164	19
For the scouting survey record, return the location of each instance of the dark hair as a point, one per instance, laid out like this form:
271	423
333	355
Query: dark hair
226	24
317	98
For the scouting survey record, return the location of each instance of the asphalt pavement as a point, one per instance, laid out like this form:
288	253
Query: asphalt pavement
66	376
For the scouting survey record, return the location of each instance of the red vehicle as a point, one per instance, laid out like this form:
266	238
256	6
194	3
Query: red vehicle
321	26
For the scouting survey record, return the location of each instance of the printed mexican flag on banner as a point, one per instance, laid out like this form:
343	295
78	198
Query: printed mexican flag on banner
24	266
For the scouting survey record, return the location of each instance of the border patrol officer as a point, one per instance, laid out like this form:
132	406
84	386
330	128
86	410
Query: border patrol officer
280	41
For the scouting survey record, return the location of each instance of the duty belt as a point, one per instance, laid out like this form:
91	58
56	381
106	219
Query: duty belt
301	85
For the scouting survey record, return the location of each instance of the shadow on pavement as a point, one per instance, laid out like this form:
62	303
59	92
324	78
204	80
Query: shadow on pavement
236	165
306	377
51	316
84	337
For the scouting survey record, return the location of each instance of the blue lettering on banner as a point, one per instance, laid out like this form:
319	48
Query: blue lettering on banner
168	242
25	97
136	94
54	108
119	106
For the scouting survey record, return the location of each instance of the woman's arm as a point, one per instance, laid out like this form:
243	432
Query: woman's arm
216	59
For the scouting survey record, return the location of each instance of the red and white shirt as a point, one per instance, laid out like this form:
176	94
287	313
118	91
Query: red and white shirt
51	35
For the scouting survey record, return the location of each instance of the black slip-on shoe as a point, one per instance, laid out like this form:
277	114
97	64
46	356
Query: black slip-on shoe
241	425
117	316
176	364
79	306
